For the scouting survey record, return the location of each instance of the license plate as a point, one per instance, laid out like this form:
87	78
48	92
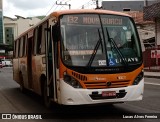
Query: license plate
108	93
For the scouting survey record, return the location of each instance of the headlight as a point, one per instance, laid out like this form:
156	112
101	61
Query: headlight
138	78
72	81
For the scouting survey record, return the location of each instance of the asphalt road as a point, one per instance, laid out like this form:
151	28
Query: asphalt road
12	100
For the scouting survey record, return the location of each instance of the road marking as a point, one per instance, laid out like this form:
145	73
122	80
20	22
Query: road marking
152	83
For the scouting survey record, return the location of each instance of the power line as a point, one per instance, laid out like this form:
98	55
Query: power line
51	7
54	4
56	7
62	4
86	5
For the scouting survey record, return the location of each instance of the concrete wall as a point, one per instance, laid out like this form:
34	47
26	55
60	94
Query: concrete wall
22	25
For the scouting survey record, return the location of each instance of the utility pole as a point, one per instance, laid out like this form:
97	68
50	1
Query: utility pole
83	7
145	2
97	4
63	4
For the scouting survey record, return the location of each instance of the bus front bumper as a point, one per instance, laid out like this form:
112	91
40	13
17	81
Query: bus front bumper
74	96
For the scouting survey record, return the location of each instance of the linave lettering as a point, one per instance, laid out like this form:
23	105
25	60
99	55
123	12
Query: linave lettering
127	59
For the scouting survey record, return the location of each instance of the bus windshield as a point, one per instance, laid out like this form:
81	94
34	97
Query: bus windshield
99	40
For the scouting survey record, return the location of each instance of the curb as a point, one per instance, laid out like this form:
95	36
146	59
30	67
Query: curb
149	76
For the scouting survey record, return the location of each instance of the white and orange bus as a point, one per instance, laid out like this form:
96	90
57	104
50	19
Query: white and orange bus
76	57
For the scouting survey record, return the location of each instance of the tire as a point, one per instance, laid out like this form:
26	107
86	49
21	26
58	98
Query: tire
46	99
22	88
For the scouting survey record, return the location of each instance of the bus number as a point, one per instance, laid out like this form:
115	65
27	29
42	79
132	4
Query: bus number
72	19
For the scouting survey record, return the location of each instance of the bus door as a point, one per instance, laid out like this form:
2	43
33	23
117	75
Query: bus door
51	65
29	62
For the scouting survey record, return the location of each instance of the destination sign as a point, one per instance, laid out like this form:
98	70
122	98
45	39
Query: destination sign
94	20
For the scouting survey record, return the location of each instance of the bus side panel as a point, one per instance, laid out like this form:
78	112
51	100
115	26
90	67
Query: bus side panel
16	70
38	69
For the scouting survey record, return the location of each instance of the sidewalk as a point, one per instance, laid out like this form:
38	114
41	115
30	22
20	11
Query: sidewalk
152	74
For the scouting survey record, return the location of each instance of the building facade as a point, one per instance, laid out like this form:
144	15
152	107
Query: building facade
152	62
153	13
15	26
10	28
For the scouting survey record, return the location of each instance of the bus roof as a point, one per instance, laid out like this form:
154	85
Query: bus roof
85	11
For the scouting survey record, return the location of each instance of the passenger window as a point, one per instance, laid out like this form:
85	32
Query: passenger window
38	51
35	40
43	47
25	45
21	47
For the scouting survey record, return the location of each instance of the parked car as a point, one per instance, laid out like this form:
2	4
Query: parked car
1	64
6	63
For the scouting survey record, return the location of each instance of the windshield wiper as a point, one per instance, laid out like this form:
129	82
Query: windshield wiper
118	51
95	49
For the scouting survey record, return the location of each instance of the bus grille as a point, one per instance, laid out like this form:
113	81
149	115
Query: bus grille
103	85
79	76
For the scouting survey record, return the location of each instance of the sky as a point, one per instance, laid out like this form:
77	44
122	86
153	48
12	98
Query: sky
31	8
